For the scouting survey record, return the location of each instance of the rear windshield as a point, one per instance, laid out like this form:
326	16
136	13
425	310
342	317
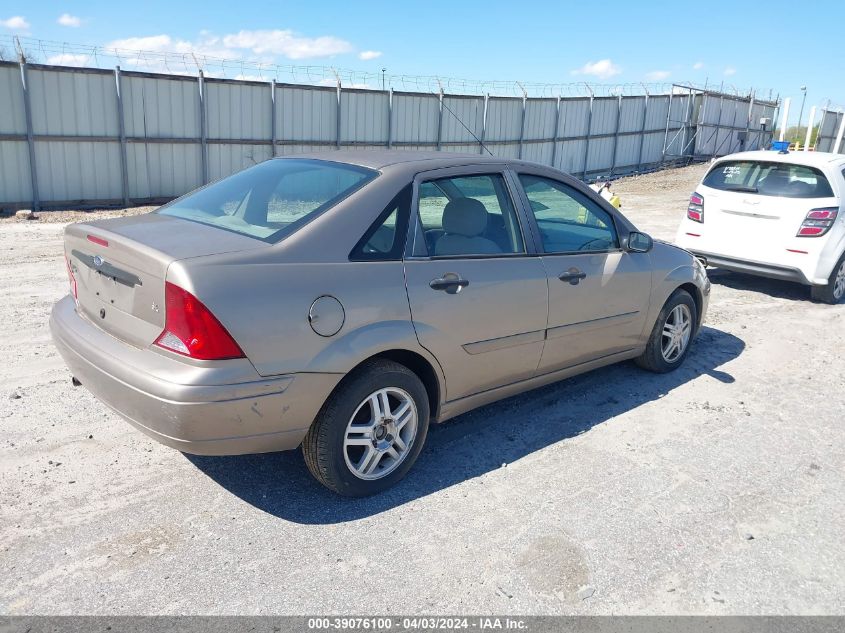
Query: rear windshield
769	179
272	199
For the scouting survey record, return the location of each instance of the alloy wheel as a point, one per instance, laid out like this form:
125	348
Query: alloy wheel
380	433
677	331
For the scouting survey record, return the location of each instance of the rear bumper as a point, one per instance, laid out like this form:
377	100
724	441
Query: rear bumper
750	267
210	408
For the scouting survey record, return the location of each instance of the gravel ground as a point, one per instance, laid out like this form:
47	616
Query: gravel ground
717	489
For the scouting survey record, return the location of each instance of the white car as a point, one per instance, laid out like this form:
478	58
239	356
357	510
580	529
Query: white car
774	214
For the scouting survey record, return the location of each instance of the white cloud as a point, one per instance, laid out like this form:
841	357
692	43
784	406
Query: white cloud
132	50
657	75
15	23
698	65
730	70
66	19
287	43
68	59
603	69
368	55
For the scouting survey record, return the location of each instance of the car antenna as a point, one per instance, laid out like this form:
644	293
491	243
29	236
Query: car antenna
443	103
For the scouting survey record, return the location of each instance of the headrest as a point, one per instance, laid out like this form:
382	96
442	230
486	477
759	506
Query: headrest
465	216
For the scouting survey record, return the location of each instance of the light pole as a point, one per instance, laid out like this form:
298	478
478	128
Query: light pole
383	70
801	111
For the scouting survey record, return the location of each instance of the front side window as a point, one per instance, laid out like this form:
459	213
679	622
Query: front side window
568	220
769	179
468	215
272	199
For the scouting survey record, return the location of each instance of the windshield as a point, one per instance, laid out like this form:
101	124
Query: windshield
272	199
769	179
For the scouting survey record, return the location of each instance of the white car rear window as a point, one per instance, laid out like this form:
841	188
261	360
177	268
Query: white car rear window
769	179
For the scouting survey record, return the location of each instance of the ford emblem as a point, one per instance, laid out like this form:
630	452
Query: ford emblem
98	261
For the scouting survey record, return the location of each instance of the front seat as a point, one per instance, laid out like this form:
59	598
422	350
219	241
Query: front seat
464	220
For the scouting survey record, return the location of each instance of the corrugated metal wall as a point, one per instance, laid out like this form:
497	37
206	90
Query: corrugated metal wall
829	127
727	124
104	137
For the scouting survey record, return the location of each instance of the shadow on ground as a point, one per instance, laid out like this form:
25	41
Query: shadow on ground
474	443
773	287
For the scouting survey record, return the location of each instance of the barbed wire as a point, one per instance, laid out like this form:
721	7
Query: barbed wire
40	51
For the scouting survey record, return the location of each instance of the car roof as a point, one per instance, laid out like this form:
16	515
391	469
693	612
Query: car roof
382	158
812	159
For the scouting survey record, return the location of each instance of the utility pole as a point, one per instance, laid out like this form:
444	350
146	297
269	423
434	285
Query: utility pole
383	70
801	111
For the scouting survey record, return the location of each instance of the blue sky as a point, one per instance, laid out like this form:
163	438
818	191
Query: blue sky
742	44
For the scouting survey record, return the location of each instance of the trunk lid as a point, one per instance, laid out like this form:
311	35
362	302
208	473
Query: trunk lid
754	207
120	266
753	226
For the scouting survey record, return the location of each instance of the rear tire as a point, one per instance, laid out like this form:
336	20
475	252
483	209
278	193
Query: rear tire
834	291
370	431
672	336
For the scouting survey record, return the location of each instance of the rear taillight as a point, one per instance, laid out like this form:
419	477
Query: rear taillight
818	222
71	278
695	210
192	330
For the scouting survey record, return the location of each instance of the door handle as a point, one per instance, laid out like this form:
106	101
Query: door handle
450	283
573	276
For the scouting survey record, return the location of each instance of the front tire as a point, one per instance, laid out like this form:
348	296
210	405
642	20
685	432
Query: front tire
672	335
370	431
834	291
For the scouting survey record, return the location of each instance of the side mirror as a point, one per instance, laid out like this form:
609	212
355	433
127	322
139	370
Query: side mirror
637	242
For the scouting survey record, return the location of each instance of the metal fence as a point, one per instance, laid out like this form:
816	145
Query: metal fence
90	136
829	130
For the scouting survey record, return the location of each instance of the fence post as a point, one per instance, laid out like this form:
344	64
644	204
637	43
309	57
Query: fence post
121	129
522	124
616	135
440	119
587	138
557	131
820	135
642	133
273	118
483	124
837	145
390	119
30	141
337	117
203	131
686	123
810	129
668	119
745	145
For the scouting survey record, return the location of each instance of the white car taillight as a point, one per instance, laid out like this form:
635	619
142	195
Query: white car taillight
818	222
695	210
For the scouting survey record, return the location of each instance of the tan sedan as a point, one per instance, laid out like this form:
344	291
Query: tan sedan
342	302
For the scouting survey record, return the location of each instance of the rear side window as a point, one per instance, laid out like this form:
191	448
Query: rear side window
385	239
769	179
272	199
